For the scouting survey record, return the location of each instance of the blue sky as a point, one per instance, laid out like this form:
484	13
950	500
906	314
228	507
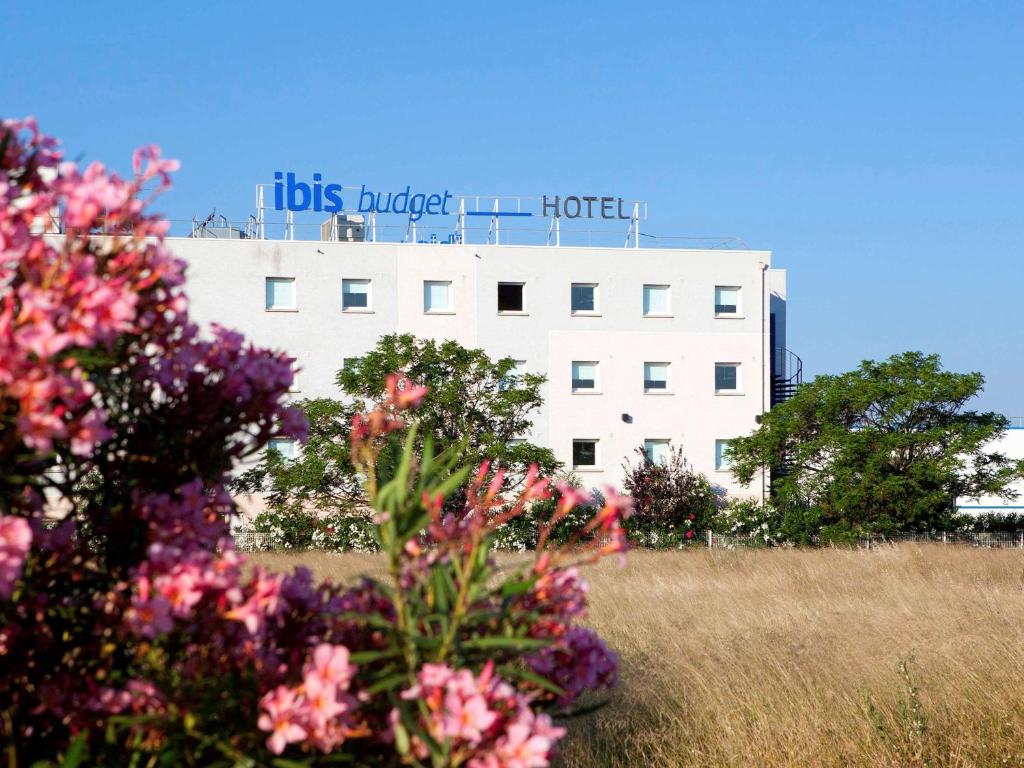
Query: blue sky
875	147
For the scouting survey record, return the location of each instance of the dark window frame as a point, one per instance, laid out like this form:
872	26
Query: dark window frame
514	288
584	444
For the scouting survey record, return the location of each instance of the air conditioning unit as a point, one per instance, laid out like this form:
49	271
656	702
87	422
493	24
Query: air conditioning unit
344	227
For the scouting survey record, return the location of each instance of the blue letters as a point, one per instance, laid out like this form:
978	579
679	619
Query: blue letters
363	194
416	203
278	192
295	187
295	195
405	202
318	201
333	197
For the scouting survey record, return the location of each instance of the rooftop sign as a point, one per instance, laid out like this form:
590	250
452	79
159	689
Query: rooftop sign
290	194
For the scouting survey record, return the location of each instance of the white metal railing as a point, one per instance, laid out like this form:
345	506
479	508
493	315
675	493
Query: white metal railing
544	233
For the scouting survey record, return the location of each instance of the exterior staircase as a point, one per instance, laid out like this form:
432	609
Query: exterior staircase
787	376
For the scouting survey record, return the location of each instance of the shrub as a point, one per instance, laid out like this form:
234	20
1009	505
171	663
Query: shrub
522	533
131	633
988	522
299	528
749	517
673	502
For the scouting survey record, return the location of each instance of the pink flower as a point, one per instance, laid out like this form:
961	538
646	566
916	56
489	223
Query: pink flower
570	498
15	540
282	717
534	487
521	747
148	615
181	589
578	662
466	717
322	697
403	393
330	663
264	600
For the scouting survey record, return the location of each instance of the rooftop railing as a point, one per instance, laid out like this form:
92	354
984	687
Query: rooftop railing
416	232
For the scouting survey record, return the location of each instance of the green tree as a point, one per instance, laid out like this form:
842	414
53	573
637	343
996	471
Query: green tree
886	447
478	405
321	478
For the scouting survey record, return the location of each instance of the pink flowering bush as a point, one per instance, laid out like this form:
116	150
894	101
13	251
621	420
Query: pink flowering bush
131	632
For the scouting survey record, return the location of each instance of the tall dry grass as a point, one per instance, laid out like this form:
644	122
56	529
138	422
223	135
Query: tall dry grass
896	657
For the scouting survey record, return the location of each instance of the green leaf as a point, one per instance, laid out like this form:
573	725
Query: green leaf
76	752
401	739
512	588
441	588
522	673
389	683
367	657
514	643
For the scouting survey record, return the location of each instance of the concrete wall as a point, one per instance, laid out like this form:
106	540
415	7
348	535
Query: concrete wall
226	285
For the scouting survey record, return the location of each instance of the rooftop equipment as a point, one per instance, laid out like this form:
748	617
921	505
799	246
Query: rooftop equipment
344	227
216	227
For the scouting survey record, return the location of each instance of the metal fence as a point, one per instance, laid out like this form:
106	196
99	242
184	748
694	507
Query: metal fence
252	541
989	540
255	541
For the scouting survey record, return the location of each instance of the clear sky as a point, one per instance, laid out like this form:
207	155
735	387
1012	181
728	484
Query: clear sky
877	148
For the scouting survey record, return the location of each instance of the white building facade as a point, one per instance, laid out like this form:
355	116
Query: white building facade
1010	444
640	346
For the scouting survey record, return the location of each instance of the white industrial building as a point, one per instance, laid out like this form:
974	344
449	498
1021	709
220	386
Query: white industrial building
640	346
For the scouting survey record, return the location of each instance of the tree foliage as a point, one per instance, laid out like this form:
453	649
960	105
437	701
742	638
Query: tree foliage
886	447
473	402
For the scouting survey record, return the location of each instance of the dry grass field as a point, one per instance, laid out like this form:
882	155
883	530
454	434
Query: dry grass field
911	656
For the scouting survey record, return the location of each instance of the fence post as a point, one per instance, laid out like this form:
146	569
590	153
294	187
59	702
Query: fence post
944	538
1020	538
708	535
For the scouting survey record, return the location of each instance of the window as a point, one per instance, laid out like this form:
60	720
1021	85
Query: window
355	295
656	300
655	377
514	375
656	451
437	296
280	293
727	377
283	446
584	298
584	377
722	462
510	297
584	454
727	300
